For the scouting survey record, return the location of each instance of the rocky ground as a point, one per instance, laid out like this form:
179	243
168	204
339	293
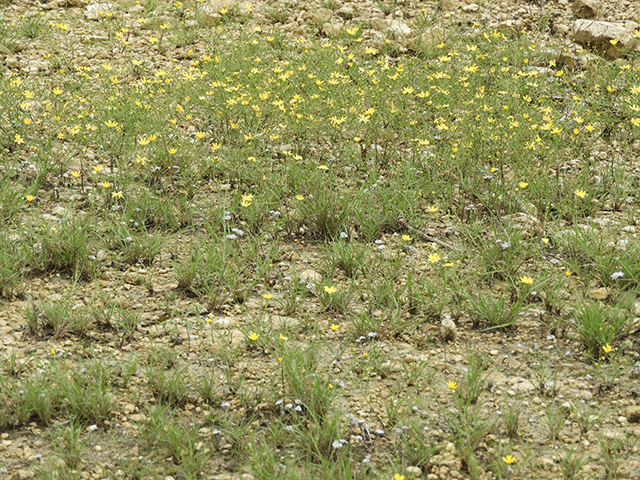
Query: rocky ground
541	370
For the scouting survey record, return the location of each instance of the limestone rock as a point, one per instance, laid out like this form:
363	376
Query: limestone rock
586	8
322	15
528	225
472	7
599	293
633	414
399	28
609	38
449	5
65	4
94	10
210	11
433	36
131	278
309	275
448	330
332	29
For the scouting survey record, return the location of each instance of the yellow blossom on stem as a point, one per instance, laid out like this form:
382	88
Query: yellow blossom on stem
334	327
509	459
253	336
452	385
526	280
330	290
433	258
580	193
29	198
246	200
607	348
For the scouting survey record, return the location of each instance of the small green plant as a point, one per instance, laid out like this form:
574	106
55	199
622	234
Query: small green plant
346	256
57	319
555	421
571	464
303	383
68	444
469	432
473	382
600	326
15	366
126	322
162	357
14	261
68	247
332	298
511	419
492	313
414	448
585	418
87	392
170	387
543	375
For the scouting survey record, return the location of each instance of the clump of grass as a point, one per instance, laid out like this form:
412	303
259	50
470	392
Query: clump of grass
600	327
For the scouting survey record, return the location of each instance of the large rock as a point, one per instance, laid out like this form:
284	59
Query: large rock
611	39
586	8
210	12
399	28
65	4
448	330
449	5
528	225
94	10
633	414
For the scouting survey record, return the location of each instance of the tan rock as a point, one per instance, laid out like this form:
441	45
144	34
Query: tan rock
633	414
449	5
210	12
448	330
599	293
586	8
611	39
132	278
322	15
399	28
94	10
137	417
309	275
528	225
332	29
